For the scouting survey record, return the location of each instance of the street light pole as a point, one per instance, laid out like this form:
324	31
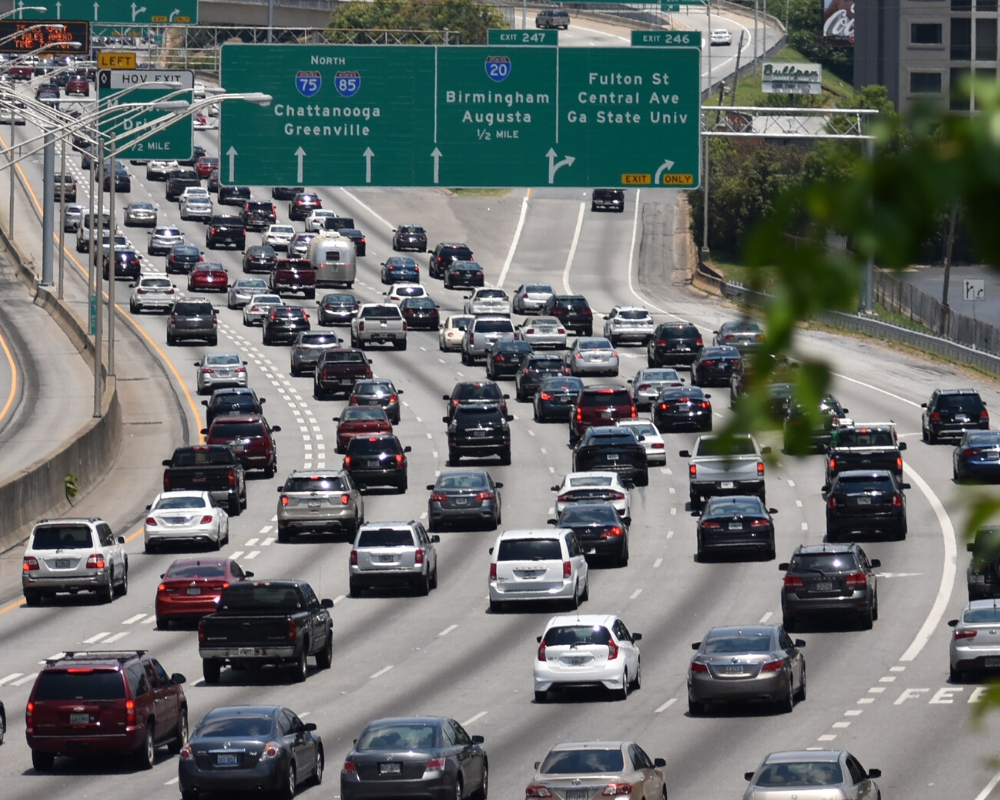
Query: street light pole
48	206
97	221
13	133
62	218
112	263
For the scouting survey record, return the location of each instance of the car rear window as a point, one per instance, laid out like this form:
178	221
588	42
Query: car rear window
400	737
969	403
80	684
344	357
222	359
617	397
380	312
313	483
864	437
410	229
197	458
529	550
570	385
568	635
478	391
386	537
473	415
595	344
258	597
237	727
373	446
988	615
824	562
420	302
583	762
494	326
372	388
362	413
742	643
192	501
801	773
488	294
727	506
737	446
318	338
545	362
156	283
587	514
634	314
854	484
61	537
613	438
196	571
983	439
193	309
236	430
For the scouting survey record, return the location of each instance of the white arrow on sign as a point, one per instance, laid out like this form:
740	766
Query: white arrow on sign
136	11
666	166
368	164
299	154
58	10
554	166
231	152
97	7
173	14
20	9
436	155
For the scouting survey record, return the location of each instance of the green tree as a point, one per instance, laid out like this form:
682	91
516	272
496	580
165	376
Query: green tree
469	19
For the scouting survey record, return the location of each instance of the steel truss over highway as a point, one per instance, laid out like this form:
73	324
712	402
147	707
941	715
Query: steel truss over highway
785	123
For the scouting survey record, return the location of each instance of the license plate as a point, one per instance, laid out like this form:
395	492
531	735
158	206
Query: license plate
373	463
527	574
961	418
62	563
864	501
389	769
727	485
992	662
684	349
79	719
238	448
823	586
607	414
733	669
246	652
226	759
386	559
577	794
612	456
576	661
478	434
314	504
194	591
174	520
461	501
993	456
735	526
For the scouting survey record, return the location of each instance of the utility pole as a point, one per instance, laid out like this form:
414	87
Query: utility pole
48	206
62	222
13	174
949	245
97	223
112	280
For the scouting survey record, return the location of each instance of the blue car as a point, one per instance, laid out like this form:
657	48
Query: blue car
400	269
977	457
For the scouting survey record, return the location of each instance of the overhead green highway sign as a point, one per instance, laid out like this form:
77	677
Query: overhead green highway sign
120	86
666	38
141	12
476	116
523	37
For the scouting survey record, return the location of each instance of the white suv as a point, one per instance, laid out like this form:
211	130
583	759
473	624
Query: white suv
74	555
532	565
480	336
394	554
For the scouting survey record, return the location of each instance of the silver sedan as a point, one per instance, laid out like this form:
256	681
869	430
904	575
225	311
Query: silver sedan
812	775
162	238
530	297
243	289
258	307
140	215
542	332
975	641
592	355
754	663
647	384
216	370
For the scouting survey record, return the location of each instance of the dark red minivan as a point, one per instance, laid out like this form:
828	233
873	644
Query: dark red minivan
249	437
600	405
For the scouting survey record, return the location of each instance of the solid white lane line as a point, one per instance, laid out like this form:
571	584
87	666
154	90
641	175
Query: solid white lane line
381	672
172	781
572	249
448	630
371	211
96	637
115	638
665	706
513	243
989	787
474	718
132	620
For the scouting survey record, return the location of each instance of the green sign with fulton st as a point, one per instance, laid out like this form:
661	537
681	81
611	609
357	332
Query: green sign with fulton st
462	116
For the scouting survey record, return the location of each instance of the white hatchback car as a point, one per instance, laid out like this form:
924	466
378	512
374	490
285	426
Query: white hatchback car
587	650
185	516
401	291
594	487
534	565
652	441
451	332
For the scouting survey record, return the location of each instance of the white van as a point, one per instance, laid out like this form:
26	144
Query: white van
334	259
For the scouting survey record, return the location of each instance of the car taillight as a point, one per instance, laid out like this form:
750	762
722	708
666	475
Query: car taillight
760	469
130	712
232	477
271	750
936	415
708	363
567	569
354	558
771	666
541	651
166	483
692	470
437	497
186	754
856	580
578	356
418	556
758	523
173	319
399	460
151	521
213	231
612	650
493	572
405	328
537	791
347	462
711	525
140	291
586	312
545	396
206	519
705	404
697	666
897	501
831	502
794	582
29	563
579	415
95	561
345	499
485	496
435	764
965	634
349	766
613	789
207	371
984	415
635	413
291	631
968	452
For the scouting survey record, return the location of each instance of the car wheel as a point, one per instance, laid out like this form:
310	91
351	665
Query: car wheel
496	607
484	784
42	762
162	624
505	458
875	606
574	601
622	694
788	623
787	705
181	733
923	433
211	669
171	340
287	791
355	589
695	501
122	589
931	438
801	696
214	341
434	579
541	697
317	777
695	707
459	793
3	725
637	680
424	586
954	675
623	555
269	470
867	620
301	668
324	658
145	756
642	479
106	594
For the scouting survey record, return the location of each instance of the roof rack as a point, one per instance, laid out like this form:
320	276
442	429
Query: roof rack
96	655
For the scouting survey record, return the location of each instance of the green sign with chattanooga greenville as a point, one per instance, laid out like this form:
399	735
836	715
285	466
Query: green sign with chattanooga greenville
477	116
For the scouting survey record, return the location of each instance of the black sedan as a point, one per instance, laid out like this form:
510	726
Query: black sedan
504	358
612	449
426	757
977	457
556	398
128	264
683	409
356	236
420	313
714	366
463	273
533	372
338	308
400	269
740	524
598	528
303	204
286	192
182	258
259	258
464	496
259	749
232	400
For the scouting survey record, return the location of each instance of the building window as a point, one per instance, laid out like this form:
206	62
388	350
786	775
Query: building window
986	5
961	5
925	33
983	76
925	83
959	100
961	39
986	39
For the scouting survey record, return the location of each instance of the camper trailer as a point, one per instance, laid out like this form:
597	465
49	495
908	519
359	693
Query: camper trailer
334	259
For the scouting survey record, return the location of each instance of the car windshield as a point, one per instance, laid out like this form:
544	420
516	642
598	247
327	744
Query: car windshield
362	413
401	736
286	313
801	773
259	596
864	437
61	537
717	446
196	571
583	762
742	643
732	506
588	514
823	562
235	727
224	429
373	388
373	446
313	483
568	635
186	251
141	206
478	391
318	338
87	684
386	537
683	395
529	550
400	261
494	326
179	502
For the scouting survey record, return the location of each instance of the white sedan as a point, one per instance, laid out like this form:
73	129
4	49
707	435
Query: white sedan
259	307
401	291
185	517
542	332
451	332
594	487
652	441
721	36
278	236
316	221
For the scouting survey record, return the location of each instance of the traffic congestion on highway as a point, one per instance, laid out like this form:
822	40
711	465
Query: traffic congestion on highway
456	523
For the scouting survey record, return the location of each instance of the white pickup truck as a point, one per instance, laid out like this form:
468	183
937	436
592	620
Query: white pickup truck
378	323
717	468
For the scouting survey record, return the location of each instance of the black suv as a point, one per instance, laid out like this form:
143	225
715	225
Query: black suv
128	264
799	431
225	229
866	501
409	237
504	358
951	412
234	195
673	344
377	461
284	324
232	400
534	370
572	310
303	205
478	431
612	449
983	574
178	180
258	214
475	393
607	200
444	254
829	580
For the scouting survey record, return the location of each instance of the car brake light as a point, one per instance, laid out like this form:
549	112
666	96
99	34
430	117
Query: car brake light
567	569
206	519
130	712
345	499
794	582
207	371
758	523
437	497
291	631
897	501
151	521
493	572
692	470
612	650
30	563
856	579
613	789
186	754
612	533
232	477
541	651
711	525
966	634
771	666
347	462
697	666
936	415
760	469
705	404
485	496
984	415
831	502
968	452
435	764
271	750
537	791
95	561
349	766
708	363
418	556
354	558
399	460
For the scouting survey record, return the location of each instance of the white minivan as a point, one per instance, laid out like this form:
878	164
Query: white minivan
538	565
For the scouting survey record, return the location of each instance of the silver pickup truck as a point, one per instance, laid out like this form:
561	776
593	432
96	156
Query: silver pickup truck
378	323
717	468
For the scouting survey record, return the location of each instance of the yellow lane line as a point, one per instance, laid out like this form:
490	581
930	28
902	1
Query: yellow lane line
13	378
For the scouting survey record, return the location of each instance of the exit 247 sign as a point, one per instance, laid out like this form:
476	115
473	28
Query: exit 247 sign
462	116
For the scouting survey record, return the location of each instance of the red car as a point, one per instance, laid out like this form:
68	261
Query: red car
21	73
360	420
600	405
190	588
249	437
78	85
206	165
208	276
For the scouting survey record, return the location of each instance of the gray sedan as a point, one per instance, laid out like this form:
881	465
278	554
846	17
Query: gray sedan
162	238
243	289
755	663
140	215
530	297
592	355
308	347
648	383
216	370
812	775
464	496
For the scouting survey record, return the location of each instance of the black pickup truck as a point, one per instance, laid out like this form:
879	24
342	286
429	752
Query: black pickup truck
273	623
208	468
865	445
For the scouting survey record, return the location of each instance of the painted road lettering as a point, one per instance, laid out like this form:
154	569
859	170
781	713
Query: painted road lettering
947	695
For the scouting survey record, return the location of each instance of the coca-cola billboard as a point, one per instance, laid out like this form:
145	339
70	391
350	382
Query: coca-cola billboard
838	22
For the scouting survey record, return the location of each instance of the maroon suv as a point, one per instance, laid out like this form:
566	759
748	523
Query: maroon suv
249	437
600	405
86	703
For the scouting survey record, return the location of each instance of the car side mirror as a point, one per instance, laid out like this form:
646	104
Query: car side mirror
204	431
149	507
407	449
684	453
923	405
695	514
695	645
642	438
537	763
446	397
478	739
970	546
825	488
538	639
337	418
708	397
491	551
800	642
245	363
498	485
874	773
636	637
280	489
506	397
435	539
766	450
205	403
554	488
262	400
783	566
875	563
846	410
445	419
178	679
659	762
399	391
772	511
326	602
248	574
510	418
166	461
121	540
430	487
902	445
682	381
276	429
197	363
748	776
952	623
904	486
132	286
552	522
310	727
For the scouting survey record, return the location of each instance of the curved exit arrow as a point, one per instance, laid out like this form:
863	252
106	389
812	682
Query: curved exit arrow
666	166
